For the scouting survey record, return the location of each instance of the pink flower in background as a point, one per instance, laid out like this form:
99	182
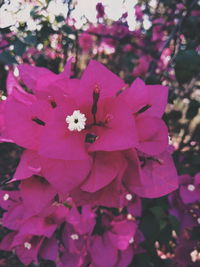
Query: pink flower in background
138	12
86	41
143	66
190	188
100	10
184	205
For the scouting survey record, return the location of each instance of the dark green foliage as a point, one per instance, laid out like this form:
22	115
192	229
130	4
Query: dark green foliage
187	65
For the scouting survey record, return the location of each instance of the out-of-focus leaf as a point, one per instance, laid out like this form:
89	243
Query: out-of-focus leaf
152	79
141	260
19	47
191	27
60	18
34	13
193	109
187	65
157	212
45	31
7	58
150	227
30	39
67	29
196	233
175	223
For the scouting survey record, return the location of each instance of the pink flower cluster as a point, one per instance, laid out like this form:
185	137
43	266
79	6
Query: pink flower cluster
88	41
57	231
185	206
91	142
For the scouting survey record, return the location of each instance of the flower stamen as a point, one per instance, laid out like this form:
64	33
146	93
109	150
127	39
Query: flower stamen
77	121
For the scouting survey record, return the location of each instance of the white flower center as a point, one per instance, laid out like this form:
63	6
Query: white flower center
6	197
129	197
3	97
76	122
191	187
129	216
74	237
27	245
195	255
170	140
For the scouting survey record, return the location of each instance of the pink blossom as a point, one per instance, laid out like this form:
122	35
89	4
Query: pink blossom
100	10
86	41
91	161
138	12
143	65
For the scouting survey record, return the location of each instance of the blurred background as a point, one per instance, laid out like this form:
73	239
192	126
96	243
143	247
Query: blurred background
156	40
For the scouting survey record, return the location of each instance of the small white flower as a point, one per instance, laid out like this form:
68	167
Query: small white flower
76	122
191	187
170	140
131	240
129	216
27	245
129	197
74	237
3	97
198	220
194	255
6	197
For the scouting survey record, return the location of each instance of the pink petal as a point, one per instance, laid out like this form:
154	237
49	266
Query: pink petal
122	232
65	175
158	178
36	193
108	196
20	124
70	260
158	97
31	74
58	142
14	196
120	132
125	257
35	226
97	74
6	242
61	174
29	164
152	133
49	249
105	168
132	176
14	217
197	179
103	254
188	196
136	96
28	256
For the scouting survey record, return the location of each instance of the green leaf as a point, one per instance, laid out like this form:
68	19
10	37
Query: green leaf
19	47
142	260
175	223
7	58
30	39
157	212
150	227
67	29
59	18
193	109
187	65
